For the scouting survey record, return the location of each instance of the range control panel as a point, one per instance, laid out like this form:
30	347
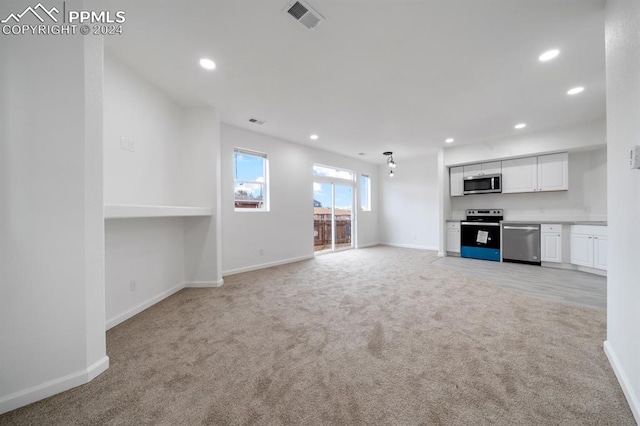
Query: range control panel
490	212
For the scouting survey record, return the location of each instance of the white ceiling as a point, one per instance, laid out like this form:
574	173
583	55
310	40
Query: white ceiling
377	75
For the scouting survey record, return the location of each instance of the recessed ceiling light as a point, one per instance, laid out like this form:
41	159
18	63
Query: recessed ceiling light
207	64
548	55
575	91
313	137
449	140
520	126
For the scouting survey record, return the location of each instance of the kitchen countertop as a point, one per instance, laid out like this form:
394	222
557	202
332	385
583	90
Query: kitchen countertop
561	222
550	222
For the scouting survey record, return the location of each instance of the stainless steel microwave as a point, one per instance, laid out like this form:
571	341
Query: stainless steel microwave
482	184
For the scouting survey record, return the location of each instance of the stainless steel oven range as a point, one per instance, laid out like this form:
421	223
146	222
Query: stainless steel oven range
480	234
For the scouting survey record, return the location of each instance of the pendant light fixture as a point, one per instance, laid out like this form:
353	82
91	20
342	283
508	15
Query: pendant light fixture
390	162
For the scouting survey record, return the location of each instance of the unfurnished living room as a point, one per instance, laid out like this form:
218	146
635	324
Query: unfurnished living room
322	212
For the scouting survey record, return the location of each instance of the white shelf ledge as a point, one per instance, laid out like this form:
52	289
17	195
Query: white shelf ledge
122	211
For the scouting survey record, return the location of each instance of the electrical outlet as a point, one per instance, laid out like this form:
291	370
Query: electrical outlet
261	252
124	144
132	146
132	285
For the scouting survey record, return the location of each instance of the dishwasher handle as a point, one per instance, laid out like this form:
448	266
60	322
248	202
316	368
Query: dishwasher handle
522	228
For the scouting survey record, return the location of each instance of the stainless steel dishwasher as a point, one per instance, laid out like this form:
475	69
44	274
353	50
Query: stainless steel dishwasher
521	243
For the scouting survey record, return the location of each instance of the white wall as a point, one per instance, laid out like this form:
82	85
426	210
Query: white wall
51	233
201	174
175	162
586	198
591	134
623	132
409	204
285	233
147	251
138	111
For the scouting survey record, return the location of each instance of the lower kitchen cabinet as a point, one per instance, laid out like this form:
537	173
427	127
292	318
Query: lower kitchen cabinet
589	246
600	248
551	243
453	237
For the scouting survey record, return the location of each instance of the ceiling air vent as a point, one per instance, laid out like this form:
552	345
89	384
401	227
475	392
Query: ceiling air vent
304	14
255	121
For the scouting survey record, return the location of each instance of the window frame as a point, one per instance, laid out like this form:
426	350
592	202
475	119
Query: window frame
265	185
352	179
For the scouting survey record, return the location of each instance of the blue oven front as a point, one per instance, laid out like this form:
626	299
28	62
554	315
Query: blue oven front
480	240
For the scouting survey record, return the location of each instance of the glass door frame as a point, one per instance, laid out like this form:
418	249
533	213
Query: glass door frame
333	181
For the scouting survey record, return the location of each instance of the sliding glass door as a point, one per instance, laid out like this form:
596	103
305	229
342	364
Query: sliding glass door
332	216
322	216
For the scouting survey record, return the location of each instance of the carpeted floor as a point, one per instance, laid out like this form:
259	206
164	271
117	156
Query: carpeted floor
371	336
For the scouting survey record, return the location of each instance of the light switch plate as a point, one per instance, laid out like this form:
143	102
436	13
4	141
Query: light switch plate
634	159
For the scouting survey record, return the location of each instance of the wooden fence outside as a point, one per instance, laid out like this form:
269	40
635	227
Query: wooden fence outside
322	228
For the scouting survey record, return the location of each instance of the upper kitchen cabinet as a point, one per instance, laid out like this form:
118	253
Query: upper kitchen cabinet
536	174
456	178
520	175
492	168
553	172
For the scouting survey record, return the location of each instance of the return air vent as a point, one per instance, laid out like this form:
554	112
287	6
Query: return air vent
304	14
255	121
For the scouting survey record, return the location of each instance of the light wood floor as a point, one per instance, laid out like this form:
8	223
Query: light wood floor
562	285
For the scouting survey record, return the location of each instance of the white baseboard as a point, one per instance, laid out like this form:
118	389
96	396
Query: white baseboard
142	306
265	265
365	245
623	379
571	267
204	284
52	387
410	246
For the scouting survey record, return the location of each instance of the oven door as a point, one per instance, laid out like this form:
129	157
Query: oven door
480	240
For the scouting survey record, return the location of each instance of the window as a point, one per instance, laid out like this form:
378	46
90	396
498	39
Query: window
250	184
332	172
365	193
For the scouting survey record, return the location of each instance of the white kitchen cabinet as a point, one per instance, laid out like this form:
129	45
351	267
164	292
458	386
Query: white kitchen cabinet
589	246
582	250
456	186
553	172
600	252
536	174
520	175
491	168
472	170
551	243
453	237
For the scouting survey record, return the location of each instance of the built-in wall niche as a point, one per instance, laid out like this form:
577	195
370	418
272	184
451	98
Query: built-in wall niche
160	174
159	157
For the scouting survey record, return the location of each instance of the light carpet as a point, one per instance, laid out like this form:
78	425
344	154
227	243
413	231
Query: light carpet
371	336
